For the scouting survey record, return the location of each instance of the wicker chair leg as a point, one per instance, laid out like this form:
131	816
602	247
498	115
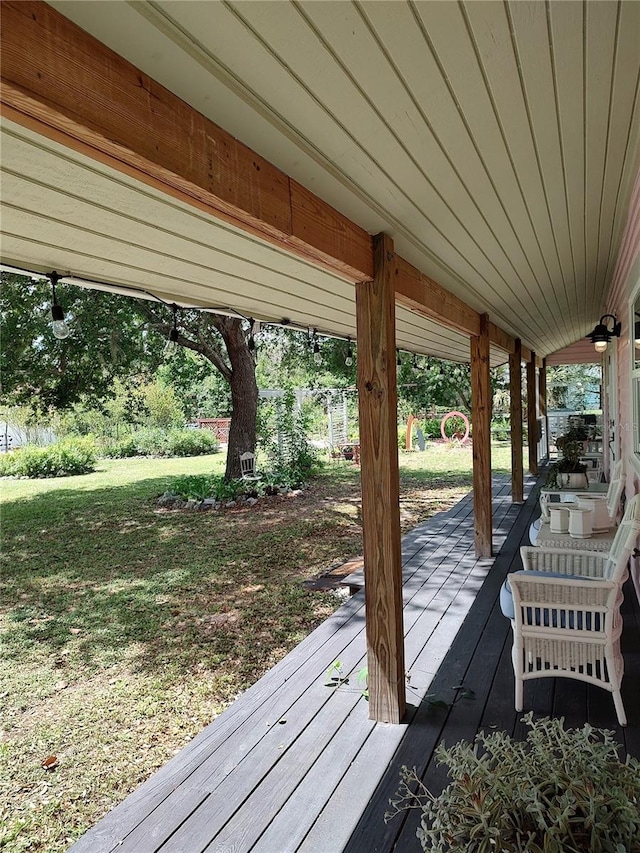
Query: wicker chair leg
516	657
617	701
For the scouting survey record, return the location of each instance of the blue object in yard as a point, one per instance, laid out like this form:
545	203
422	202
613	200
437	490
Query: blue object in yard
420	439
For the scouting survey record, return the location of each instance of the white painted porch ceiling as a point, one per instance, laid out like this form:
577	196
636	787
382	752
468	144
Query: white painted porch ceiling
496	142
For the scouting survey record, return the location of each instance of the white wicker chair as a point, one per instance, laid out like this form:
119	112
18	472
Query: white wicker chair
566	612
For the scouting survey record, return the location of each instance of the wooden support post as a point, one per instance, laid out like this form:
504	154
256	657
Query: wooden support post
542	404
515	391
377	396
481	422
532	415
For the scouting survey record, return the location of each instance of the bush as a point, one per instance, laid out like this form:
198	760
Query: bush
122	449
560	791
158	442
191	442
61	459
200	486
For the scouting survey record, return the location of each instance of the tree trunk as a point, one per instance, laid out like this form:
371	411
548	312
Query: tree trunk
244	394
196	332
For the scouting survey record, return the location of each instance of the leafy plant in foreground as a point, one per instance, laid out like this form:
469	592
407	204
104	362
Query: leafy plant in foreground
62	459
560	791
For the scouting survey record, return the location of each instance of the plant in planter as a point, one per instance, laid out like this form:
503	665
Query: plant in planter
568	464
560	791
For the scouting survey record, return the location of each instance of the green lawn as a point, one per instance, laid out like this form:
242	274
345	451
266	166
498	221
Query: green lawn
125	628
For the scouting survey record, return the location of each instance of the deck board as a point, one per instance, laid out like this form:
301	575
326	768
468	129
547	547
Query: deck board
295	766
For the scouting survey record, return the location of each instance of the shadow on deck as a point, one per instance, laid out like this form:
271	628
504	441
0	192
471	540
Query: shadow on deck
294	765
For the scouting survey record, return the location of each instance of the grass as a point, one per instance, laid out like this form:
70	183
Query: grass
126	628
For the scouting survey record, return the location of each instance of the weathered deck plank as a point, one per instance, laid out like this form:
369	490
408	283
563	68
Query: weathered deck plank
296	767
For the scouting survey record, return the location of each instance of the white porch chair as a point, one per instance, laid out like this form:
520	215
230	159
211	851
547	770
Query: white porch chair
248	466
565	612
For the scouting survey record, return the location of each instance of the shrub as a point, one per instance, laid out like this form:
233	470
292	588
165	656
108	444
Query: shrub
158	442
62	459
200	486
122	449
560	791
191	442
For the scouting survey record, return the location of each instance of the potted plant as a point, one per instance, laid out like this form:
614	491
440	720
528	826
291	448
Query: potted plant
560	791
568	470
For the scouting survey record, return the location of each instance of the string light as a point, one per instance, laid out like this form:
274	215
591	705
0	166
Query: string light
171	346
349	357
58	324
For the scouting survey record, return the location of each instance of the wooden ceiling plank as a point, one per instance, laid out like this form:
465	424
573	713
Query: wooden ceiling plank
566	24
59	77
531	32
599	45
624	93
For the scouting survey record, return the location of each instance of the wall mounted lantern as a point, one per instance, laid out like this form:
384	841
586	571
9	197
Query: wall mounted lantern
602	334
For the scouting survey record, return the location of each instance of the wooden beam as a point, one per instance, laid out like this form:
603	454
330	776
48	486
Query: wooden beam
481	421
68	86
532	415
375	317
501	339
425	296
526	354
515	406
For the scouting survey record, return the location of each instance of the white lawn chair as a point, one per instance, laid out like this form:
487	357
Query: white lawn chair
565	612
248	466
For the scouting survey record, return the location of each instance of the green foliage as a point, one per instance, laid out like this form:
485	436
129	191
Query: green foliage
162	404
159	442
282	433
122	449
200	486
501	429
203	392
61	459
560	791
107	338
574	386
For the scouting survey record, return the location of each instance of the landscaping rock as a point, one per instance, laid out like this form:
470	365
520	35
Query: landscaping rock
230	504
252	501
192	505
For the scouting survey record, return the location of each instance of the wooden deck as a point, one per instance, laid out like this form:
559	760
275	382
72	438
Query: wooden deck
294	765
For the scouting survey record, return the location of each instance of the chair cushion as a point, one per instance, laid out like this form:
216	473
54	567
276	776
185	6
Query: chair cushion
542	614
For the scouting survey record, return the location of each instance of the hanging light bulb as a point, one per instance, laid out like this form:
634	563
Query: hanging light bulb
398	358
317	355
349	357
251	343
171	346
58	324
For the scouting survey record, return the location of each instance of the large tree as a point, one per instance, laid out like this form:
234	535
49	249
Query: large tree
206	334
115	336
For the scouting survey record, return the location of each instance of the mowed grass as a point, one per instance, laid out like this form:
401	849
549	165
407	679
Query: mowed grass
126	628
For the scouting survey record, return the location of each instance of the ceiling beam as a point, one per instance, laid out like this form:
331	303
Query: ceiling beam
70	87
422	294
